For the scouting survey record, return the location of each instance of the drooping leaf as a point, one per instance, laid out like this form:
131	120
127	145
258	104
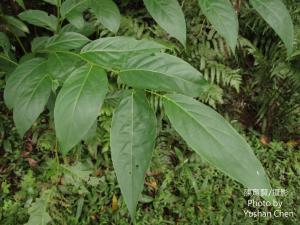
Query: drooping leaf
162	72
16	23
72	10
213	138
31	97
107	13
277	16
60	65
114	51
38	214
78	104
132	142
221	14
66	41
168	14
17	78
39	18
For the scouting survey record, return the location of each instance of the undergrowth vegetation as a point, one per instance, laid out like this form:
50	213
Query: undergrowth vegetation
60	170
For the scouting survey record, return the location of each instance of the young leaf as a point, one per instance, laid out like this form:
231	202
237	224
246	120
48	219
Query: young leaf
66	41
168	14
31	98
114	51
107	13
78	104
17	78
38	211
222	16
213	138
132	142
162	72
277	16
39	18
72	10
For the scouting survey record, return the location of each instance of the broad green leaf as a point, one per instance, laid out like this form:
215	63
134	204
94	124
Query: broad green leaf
31	97
78	104
7	64
213	138
132	142
38	214
114	51
87	30
39	18
72	10
66	41
61	65
107	13
38	43
4	43
221	14
16	23
17	78
162	72
277	16
168	14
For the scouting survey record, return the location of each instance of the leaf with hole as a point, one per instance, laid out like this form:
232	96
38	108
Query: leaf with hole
132	141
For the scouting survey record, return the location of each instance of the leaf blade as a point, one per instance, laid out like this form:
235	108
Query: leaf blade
132	142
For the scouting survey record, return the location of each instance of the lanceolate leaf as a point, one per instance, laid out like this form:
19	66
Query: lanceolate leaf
162	72
72	10
212	137
168	14
38	211
107	13
66	41
223	18
277	16
114	51
31	97
78	104
17	78
132	142
39	18
18	24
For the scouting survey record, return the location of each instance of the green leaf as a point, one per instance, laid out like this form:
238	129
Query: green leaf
61	65
162	72
78	104
221	14
107	13
31	97
132	142
52	2
4	43
168	14
213	138
21	3
114	51
38	210
277	16
17	78
39	18
66	41
18	24
72	10
7	65
38	43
